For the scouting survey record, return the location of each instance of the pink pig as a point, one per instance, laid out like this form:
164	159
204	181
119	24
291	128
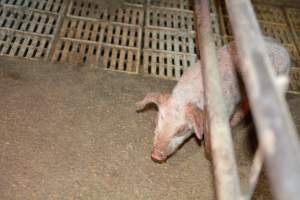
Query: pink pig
181	113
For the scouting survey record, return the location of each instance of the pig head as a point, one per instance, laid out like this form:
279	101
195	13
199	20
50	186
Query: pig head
181	113
175	123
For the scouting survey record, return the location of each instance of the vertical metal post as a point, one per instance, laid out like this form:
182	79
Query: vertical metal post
225	170
276	132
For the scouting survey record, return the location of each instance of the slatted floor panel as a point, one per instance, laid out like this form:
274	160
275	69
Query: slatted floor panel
149	37
127	14
28	28
48	6
101	38
169	38
26	46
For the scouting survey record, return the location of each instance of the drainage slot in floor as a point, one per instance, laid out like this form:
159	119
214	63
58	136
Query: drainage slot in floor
122	35
128	14
175	41
27	21
53	6
115	46
169	38
168	18
22	45
82	30
166	64
76	52
120	58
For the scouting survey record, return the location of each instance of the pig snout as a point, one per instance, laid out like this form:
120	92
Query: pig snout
158	156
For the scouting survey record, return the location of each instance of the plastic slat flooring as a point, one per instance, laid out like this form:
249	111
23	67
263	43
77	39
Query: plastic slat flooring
28	28
148	37
169	37
101	38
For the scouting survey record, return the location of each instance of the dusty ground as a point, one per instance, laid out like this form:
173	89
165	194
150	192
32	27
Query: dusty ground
73	133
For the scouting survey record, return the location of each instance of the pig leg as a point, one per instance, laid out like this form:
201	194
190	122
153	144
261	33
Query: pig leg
282	83
242	110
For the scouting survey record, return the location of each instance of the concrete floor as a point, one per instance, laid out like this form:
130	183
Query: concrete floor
73	133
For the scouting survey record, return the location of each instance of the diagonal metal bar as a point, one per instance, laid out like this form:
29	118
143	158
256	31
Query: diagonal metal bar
225	169
254	174
275	129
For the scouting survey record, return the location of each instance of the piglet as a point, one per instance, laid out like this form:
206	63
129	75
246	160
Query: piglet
181	113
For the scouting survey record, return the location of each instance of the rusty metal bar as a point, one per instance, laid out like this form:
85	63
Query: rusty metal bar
275	129
225	169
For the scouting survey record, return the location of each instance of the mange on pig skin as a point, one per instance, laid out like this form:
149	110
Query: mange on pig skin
181	113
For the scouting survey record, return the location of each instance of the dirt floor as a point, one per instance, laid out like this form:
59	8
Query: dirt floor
73	133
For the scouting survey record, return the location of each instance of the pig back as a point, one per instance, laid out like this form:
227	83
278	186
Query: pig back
230	64
189	88
278	55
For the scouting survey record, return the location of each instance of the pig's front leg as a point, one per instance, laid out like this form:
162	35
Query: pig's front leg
241	111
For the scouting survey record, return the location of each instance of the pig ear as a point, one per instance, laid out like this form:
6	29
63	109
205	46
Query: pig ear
153	97
196	116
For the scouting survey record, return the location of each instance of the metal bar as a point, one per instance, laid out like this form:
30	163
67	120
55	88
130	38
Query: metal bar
254	174
275	129
221	17
225	169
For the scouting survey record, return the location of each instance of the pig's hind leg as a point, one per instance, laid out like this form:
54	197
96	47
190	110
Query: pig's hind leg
241	111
